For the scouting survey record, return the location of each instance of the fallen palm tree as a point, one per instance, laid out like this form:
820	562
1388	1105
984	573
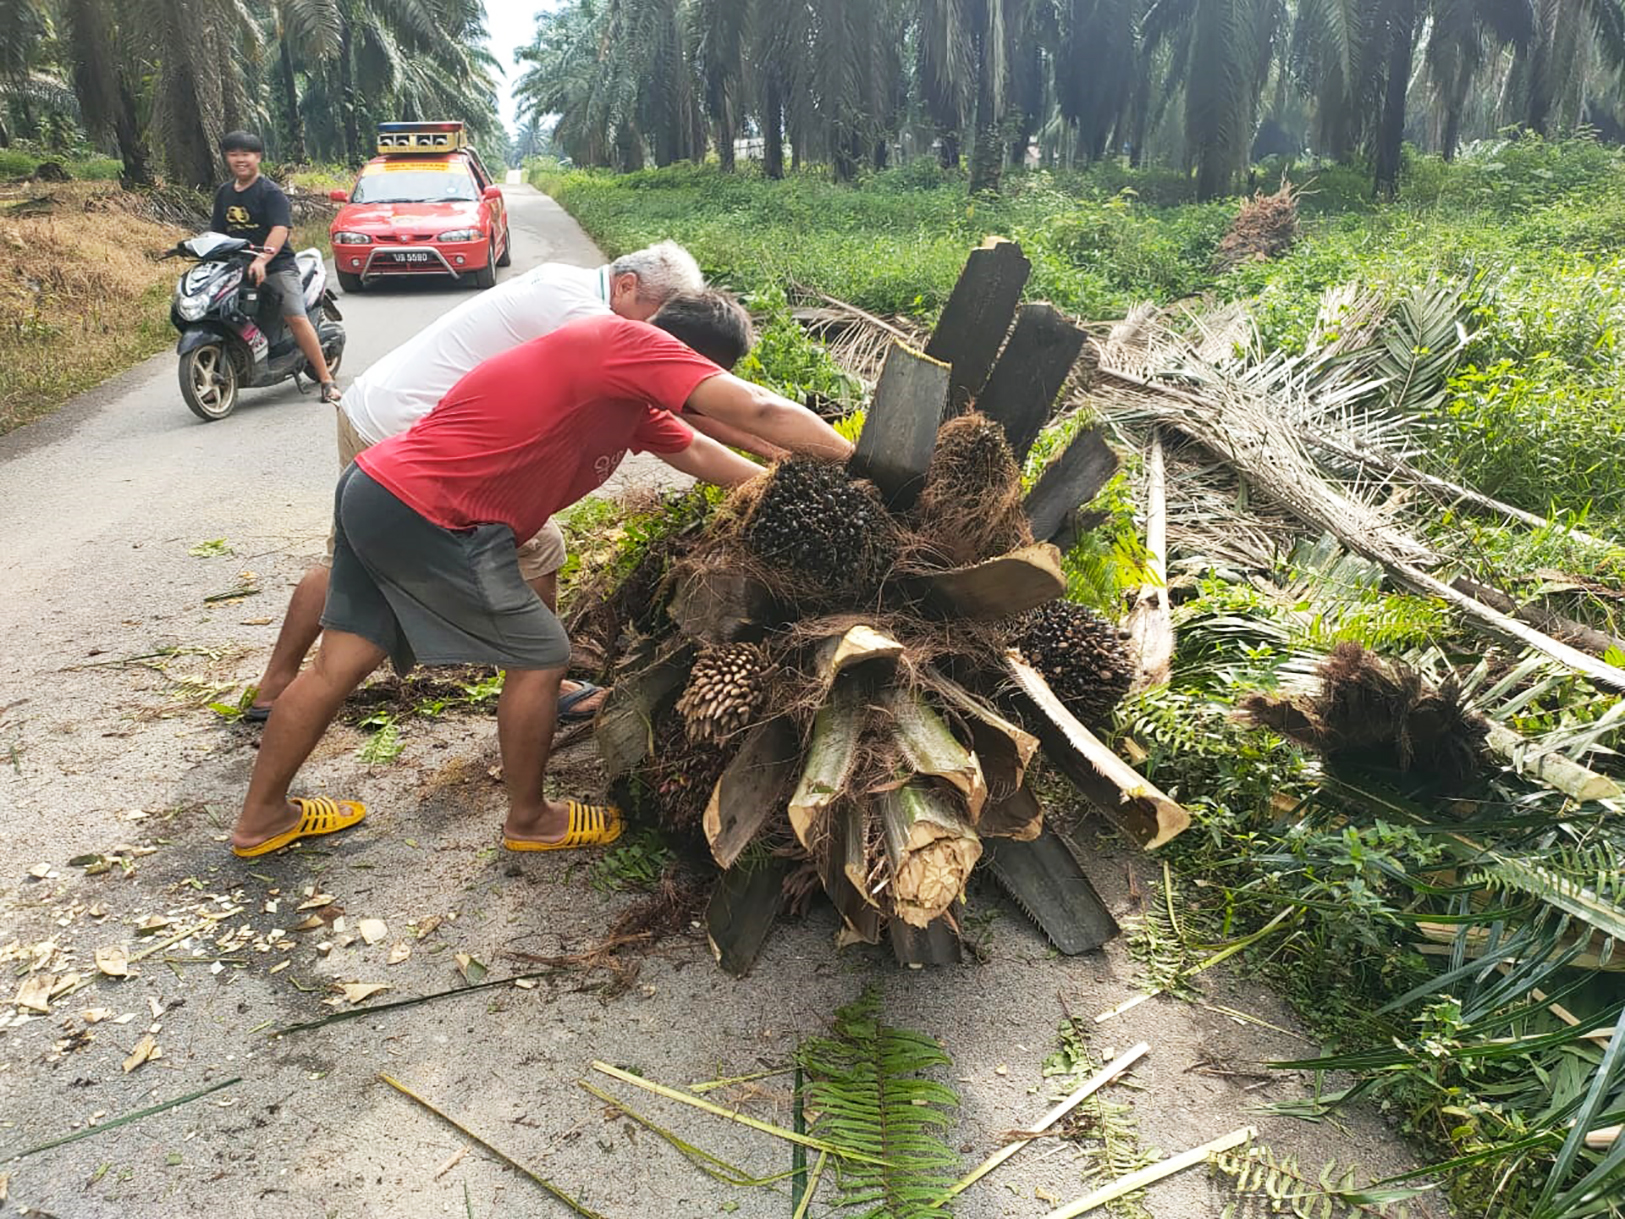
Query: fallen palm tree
856	668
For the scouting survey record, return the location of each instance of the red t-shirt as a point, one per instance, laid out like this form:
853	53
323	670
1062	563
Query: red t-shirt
534	429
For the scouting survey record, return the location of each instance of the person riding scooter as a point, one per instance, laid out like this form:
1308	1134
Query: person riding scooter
254	208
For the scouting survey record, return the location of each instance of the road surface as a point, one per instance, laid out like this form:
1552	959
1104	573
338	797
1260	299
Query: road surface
122	516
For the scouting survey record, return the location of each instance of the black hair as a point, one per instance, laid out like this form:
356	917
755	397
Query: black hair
711	322
242	141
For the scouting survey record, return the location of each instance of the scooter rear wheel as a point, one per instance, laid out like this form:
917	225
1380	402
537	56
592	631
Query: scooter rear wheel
209	382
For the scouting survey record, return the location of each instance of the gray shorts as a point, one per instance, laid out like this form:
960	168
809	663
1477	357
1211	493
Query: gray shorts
290	293
433	596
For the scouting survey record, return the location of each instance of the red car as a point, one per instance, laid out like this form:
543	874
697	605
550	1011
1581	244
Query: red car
424	206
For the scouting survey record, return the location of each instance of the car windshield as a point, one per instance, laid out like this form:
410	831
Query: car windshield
395	185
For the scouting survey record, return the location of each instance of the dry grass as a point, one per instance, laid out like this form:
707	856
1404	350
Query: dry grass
82	297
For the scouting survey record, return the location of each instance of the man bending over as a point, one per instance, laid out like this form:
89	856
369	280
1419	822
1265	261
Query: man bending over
404	386
427	523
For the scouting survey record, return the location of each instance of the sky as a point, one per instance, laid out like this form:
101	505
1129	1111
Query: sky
511	23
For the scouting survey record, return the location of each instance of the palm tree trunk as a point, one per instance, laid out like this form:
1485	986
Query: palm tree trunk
986	153
290	99
352	130
773	128
1540	64
1391	134
132	152
948	149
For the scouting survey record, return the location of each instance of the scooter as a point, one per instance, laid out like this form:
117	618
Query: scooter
225	343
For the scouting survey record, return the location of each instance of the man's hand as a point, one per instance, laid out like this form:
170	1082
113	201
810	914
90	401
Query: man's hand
764	414
256	270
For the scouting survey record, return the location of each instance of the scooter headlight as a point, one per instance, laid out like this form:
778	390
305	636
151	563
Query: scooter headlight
192	306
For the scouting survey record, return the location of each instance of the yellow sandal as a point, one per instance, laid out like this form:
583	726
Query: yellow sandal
316	816
591	825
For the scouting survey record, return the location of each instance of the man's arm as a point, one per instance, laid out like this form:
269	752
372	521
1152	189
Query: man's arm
274	241
762	413
710	462
734	438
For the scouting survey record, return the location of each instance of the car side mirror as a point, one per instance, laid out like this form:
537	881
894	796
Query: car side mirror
491	192
339	196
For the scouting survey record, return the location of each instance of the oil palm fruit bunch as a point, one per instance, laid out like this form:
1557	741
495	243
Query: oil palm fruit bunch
724	692
682	773
813	519
1081	655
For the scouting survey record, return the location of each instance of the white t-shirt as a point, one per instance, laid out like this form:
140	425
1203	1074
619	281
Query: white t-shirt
409	382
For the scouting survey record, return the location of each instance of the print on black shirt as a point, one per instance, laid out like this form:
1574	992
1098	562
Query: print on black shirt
251	214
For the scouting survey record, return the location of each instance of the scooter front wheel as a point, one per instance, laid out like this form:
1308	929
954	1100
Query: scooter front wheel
209	382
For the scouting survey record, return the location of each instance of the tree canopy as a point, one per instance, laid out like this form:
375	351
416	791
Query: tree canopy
157	82
1191	83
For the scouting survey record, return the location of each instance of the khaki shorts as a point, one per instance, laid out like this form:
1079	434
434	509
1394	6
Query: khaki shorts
541	556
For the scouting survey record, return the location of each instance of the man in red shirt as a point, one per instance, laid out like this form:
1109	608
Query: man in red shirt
425	568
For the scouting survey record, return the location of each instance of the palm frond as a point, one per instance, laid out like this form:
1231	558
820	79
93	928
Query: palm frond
868	1088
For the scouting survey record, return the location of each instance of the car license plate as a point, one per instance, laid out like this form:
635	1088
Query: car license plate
412	256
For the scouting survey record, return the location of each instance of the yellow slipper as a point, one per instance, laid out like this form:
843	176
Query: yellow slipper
591	825
317	816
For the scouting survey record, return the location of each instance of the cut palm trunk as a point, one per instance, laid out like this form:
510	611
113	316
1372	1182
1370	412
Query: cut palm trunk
845	874
998	588
1150	622
930	846
930	748
742	912
831	753
750	789
1043	878
1130	800
624	728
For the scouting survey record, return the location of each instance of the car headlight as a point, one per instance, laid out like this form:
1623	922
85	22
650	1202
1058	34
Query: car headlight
351	239
460	235
192	306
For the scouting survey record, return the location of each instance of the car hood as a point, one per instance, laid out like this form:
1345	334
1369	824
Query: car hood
411	217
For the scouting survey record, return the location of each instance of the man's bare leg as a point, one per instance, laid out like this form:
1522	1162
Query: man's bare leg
305	335
304	711
526	714
300	630
547	588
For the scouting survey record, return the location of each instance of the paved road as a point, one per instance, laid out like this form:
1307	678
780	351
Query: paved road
108	641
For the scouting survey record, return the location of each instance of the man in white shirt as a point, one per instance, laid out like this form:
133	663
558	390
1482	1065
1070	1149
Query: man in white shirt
407	383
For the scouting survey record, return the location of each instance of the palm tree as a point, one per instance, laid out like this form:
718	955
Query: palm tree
103	82
1463	38
1097	84
722	34
310	30
1219	56
26	79
1566	33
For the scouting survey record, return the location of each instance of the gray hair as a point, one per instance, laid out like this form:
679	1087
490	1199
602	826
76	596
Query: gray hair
663	270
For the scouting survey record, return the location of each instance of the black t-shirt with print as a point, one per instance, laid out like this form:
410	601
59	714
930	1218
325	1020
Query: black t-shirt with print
252	214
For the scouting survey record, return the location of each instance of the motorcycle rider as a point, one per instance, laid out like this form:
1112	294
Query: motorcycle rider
254	208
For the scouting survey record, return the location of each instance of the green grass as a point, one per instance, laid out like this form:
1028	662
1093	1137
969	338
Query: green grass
22	162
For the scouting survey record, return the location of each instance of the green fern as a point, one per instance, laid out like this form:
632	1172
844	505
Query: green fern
1268	1184
865	1085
